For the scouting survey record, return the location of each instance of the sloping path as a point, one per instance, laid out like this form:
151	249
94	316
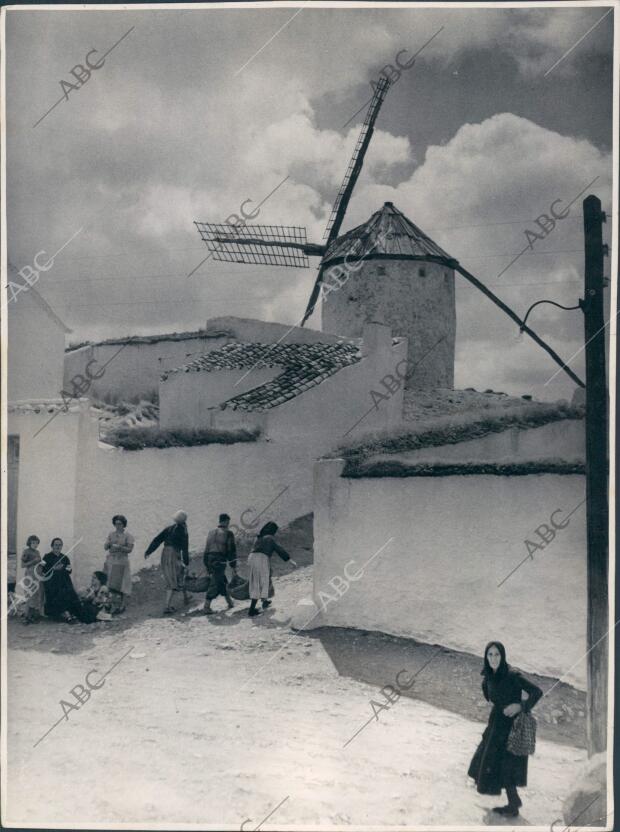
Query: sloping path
214	721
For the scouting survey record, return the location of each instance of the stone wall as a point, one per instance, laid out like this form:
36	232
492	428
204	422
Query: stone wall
415	299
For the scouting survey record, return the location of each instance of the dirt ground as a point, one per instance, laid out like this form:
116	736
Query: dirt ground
221	720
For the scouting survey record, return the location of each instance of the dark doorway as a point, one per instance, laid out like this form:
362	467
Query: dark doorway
12	489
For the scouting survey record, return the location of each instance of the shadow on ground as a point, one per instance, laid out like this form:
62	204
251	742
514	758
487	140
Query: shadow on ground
446	678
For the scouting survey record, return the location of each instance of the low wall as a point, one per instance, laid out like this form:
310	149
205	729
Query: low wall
454	539
190	400
339	407
135	370
254	331
149	486
565	439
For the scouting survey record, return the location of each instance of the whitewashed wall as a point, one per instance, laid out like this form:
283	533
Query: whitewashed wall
322	414
342	407
135	370
454	539
187	400
49	466
70	486
149	486
564	439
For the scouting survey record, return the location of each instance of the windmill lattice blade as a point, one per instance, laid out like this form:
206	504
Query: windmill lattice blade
348	183
355	165
263	245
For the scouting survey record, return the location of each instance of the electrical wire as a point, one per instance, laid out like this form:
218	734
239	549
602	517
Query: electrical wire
435	228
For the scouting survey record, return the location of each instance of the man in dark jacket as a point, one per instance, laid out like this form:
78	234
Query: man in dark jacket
220	550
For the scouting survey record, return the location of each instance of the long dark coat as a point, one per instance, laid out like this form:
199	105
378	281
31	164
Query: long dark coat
60	595
492	766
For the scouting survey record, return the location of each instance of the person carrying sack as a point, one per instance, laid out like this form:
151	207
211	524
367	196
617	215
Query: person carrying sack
220	550
500	761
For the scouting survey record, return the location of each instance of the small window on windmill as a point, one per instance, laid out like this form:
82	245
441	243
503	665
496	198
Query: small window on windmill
422	271
380	269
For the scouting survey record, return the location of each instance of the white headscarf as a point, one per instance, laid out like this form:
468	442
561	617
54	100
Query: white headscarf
179	517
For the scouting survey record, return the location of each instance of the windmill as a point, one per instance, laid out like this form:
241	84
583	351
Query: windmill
287	245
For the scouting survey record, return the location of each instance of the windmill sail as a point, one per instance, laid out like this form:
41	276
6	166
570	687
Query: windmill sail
287	245
355	165
348	183
265	245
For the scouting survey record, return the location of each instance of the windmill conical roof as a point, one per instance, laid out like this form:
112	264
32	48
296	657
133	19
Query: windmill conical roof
387	232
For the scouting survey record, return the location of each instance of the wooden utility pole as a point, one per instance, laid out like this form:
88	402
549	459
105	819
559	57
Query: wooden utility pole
596	478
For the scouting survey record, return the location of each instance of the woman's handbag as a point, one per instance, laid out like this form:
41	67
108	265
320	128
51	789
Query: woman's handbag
522	737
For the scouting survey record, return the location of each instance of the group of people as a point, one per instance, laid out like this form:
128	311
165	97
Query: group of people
493	767
50	584
220	552
56	597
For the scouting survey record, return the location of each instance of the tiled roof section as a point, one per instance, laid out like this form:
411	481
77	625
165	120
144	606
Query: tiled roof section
387	232
304	366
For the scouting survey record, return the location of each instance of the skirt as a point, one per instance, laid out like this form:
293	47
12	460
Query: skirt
119	573
172	568
259	575
493	767
36	599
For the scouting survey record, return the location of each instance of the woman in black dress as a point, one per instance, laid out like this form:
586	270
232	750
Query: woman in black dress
61	600
493	767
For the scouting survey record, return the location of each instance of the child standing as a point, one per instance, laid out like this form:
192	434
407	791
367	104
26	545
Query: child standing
34	600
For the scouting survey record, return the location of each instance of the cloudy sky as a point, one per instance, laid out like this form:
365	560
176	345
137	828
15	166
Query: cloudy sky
197	110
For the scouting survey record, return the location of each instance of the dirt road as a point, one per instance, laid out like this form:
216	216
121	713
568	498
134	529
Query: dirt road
214	721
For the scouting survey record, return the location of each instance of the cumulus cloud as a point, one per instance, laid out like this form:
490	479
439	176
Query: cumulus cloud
476	196
171	131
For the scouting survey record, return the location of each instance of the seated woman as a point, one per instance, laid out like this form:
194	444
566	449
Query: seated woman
61	600
96	600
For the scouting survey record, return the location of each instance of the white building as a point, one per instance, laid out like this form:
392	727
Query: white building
43	431
316	390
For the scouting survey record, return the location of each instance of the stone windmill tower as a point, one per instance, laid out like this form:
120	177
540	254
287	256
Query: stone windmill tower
406	281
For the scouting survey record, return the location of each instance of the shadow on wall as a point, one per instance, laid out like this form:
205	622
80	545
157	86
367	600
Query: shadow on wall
447	679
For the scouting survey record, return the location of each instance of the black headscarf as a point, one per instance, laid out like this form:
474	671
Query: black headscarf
268	528
487	671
